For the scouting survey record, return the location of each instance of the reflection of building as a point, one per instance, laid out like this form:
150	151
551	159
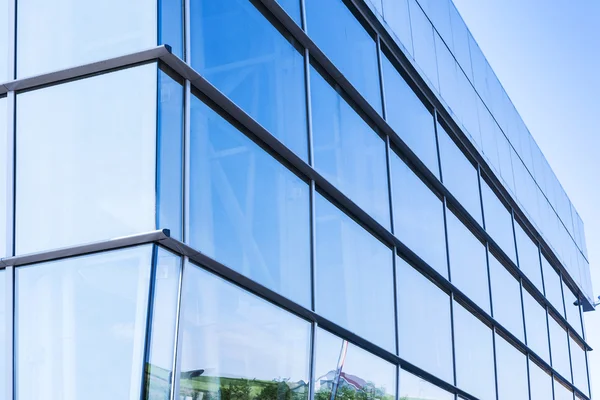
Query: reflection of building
208	199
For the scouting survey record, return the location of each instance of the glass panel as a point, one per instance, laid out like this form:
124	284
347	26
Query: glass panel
347	152
397	17
237	346
161	346
344	371
3	172
468	264
561	392
170	155
512	371
170	28
3	338
90	153
413	387
292	7
559	345
572	307
4	58
529	258
354	277
246	209
536	325
347	44
407	115
424	322
498	221
474	355
540	383
240	52
54	35
423	43
552	286
506	298
415	203
578	362
459	175
80	326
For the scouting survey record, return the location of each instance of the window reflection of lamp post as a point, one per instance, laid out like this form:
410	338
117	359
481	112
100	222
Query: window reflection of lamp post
338	371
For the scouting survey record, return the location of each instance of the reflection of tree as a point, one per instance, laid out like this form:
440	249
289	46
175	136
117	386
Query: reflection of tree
348	392
222	388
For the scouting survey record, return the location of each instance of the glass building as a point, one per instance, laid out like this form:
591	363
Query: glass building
276	200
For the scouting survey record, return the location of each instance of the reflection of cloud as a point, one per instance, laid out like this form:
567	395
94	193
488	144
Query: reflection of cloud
123	330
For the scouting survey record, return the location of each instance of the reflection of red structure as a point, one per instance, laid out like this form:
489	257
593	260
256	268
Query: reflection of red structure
354	381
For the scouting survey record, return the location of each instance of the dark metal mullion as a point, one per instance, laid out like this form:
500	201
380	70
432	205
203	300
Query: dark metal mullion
495	363
312	360
174	395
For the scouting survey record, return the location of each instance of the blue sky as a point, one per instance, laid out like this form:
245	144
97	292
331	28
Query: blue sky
547	56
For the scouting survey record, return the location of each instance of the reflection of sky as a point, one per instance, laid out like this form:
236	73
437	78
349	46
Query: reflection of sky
413	387
3	165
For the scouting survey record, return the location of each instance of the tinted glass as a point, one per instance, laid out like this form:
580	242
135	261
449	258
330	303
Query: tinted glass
529	258
246	209
3	171
344	371
54	35
413	387
354	277
397	17
4	64
3	359
292	7
80	323
347	44
559	347
474	355
424	322
418	216
468	264
506	298
552	286
170	28
561	392
237	346
459	175
512	371
572	307
578	362
407	115
240	52
423	42
161	347
540	383
498	221
91	155
537	326
347	152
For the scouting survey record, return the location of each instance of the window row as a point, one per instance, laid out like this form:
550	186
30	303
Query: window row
115	317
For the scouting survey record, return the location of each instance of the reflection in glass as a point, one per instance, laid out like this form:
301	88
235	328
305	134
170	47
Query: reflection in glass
559	348
347	44
578	362
344	371
552	286
91	155
506	298
3	170
4	58
468	264
397	17
54	35
537	326
561	392
424	322
80	326
413	387
572	309
413	204
512	371
244	56
246	209
409	117
498	221
474	355
292	7
423	42
347	151
161	346
3	358
170	30
354	277
237	346
529	257
540	383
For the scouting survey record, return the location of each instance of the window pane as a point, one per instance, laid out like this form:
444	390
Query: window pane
559	345
540	383
246	209
354	277
474	355
423	43
292	7
580	372
161	346
54	35
240	52
418	216
424	322
347	44
561	392
512	371
171	25
506	298
397	16
4	59
348	153
468	265
235	345
572	308
552	286
413	387
459	175
3	172
3	358
407	115
344	371
90	153
498	221
529	258
537	326
80	323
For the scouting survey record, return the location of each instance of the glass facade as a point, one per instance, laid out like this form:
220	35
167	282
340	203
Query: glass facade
295	200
